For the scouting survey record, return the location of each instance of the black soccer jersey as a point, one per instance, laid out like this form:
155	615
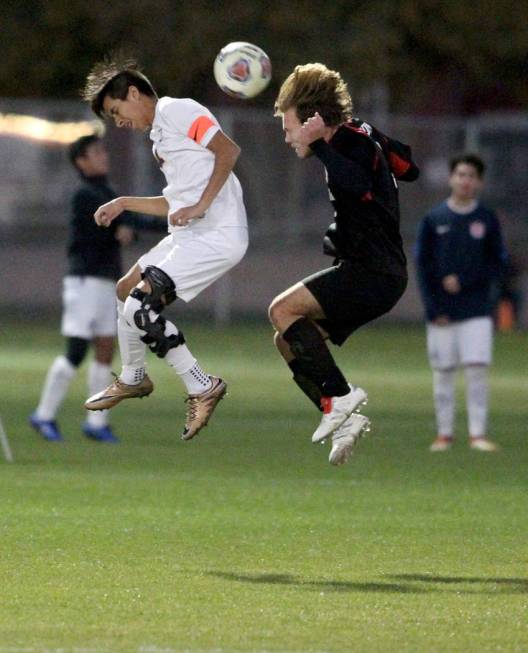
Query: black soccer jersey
361	169
93	250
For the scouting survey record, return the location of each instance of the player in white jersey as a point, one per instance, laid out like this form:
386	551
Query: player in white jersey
207	232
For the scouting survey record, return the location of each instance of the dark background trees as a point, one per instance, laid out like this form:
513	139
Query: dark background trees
430	56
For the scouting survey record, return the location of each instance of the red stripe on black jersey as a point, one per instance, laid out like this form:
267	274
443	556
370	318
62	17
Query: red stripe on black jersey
398	165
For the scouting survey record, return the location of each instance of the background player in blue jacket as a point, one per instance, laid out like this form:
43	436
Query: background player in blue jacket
460	256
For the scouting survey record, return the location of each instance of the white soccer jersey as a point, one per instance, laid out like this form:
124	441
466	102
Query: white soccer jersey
181	130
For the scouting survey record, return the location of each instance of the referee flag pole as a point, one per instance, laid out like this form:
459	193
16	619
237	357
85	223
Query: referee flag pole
5	443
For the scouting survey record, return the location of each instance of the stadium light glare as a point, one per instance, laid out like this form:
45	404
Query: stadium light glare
40	129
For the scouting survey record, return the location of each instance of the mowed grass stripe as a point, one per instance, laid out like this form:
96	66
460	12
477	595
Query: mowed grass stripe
246	539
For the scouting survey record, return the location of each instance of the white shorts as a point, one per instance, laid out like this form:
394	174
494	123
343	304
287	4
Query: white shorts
194	259
460	343
89	307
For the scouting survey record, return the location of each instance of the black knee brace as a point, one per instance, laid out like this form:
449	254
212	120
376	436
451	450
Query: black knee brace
76	349
155	336
162	286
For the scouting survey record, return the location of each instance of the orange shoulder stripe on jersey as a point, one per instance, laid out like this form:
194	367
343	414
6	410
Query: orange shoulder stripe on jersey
199	127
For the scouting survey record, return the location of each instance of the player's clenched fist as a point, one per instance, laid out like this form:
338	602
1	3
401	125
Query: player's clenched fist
108	212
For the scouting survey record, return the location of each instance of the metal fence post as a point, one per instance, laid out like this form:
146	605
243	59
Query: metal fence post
8	454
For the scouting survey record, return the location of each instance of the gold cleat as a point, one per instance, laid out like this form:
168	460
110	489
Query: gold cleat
200	407
118	391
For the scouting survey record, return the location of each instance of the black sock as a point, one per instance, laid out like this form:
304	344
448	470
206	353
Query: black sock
315	359
307	386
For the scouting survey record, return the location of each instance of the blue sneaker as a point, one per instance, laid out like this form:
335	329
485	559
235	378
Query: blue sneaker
99	433
48	429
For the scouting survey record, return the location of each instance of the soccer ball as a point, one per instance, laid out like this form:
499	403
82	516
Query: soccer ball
242	70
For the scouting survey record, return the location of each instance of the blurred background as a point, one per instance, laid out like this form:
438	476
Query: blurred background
440	75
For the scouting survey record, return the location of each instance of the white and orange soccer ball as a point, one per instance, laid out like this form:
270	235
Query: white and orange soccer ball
242	70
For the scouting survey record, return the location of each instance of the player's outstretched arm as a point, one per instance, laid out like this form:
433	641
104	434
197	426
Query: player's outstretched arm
226	153
108	212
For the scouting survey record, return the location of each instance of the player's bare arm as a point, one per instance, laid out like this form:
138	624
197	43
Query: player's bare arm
226	153
108	212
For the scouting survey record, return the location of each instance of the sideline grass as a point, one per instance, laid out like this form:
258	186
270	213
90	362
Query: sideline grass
246	539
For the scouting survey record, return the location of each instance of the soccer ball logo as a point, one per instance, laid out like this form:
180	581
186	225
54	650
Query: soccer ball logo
242	70
239	71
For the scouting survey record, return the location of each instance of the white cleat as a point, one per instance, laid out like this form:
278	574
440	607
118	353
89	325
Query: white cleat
336	410
345	438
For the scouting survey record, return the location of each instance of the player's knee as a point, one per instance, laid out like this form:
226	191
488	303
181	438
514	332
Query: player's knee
273	312
277	312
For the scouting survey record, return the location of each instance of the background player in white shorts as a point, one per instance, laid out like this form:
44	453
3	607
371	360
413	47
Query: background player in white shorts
460	255
207	232
94	264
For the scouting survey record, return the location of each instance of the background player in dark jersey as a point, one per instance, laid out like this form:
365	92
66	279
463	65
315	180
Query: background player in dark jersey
89	305
369	274
459	255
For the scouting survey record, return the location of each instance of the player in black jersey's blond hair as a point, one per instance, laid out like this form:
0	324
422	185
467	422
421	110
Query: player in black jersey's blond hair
369	271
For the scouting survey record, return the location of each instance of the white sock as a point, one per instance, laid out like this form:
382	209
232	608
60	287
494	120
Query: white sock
477	399
132	349
184	364
99	377
56	385
444	400
196	380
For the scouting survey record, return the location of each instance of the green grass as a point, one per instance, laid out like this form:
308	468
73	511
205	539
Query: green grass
246	539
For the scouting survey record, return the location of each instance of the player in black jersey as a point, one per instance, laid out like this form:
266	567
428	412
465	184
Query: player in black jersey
369	272
89	306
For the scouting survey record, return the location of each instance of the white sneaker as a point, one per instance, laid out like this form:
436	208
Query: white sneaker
345	438
442	443
481	443
336	410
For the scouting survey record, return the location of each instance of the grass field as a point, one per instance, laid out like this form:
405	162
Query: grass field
246	539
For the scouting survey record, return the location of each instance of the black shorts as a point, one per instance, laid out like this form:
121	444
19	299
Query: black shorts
352	296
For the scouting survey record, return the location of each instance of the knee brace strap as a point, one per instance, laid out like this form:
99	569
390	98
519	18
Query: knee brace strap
154	330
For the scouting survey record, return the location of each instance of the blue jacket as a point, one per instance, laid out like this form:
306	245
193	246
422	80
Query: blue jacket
468	245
